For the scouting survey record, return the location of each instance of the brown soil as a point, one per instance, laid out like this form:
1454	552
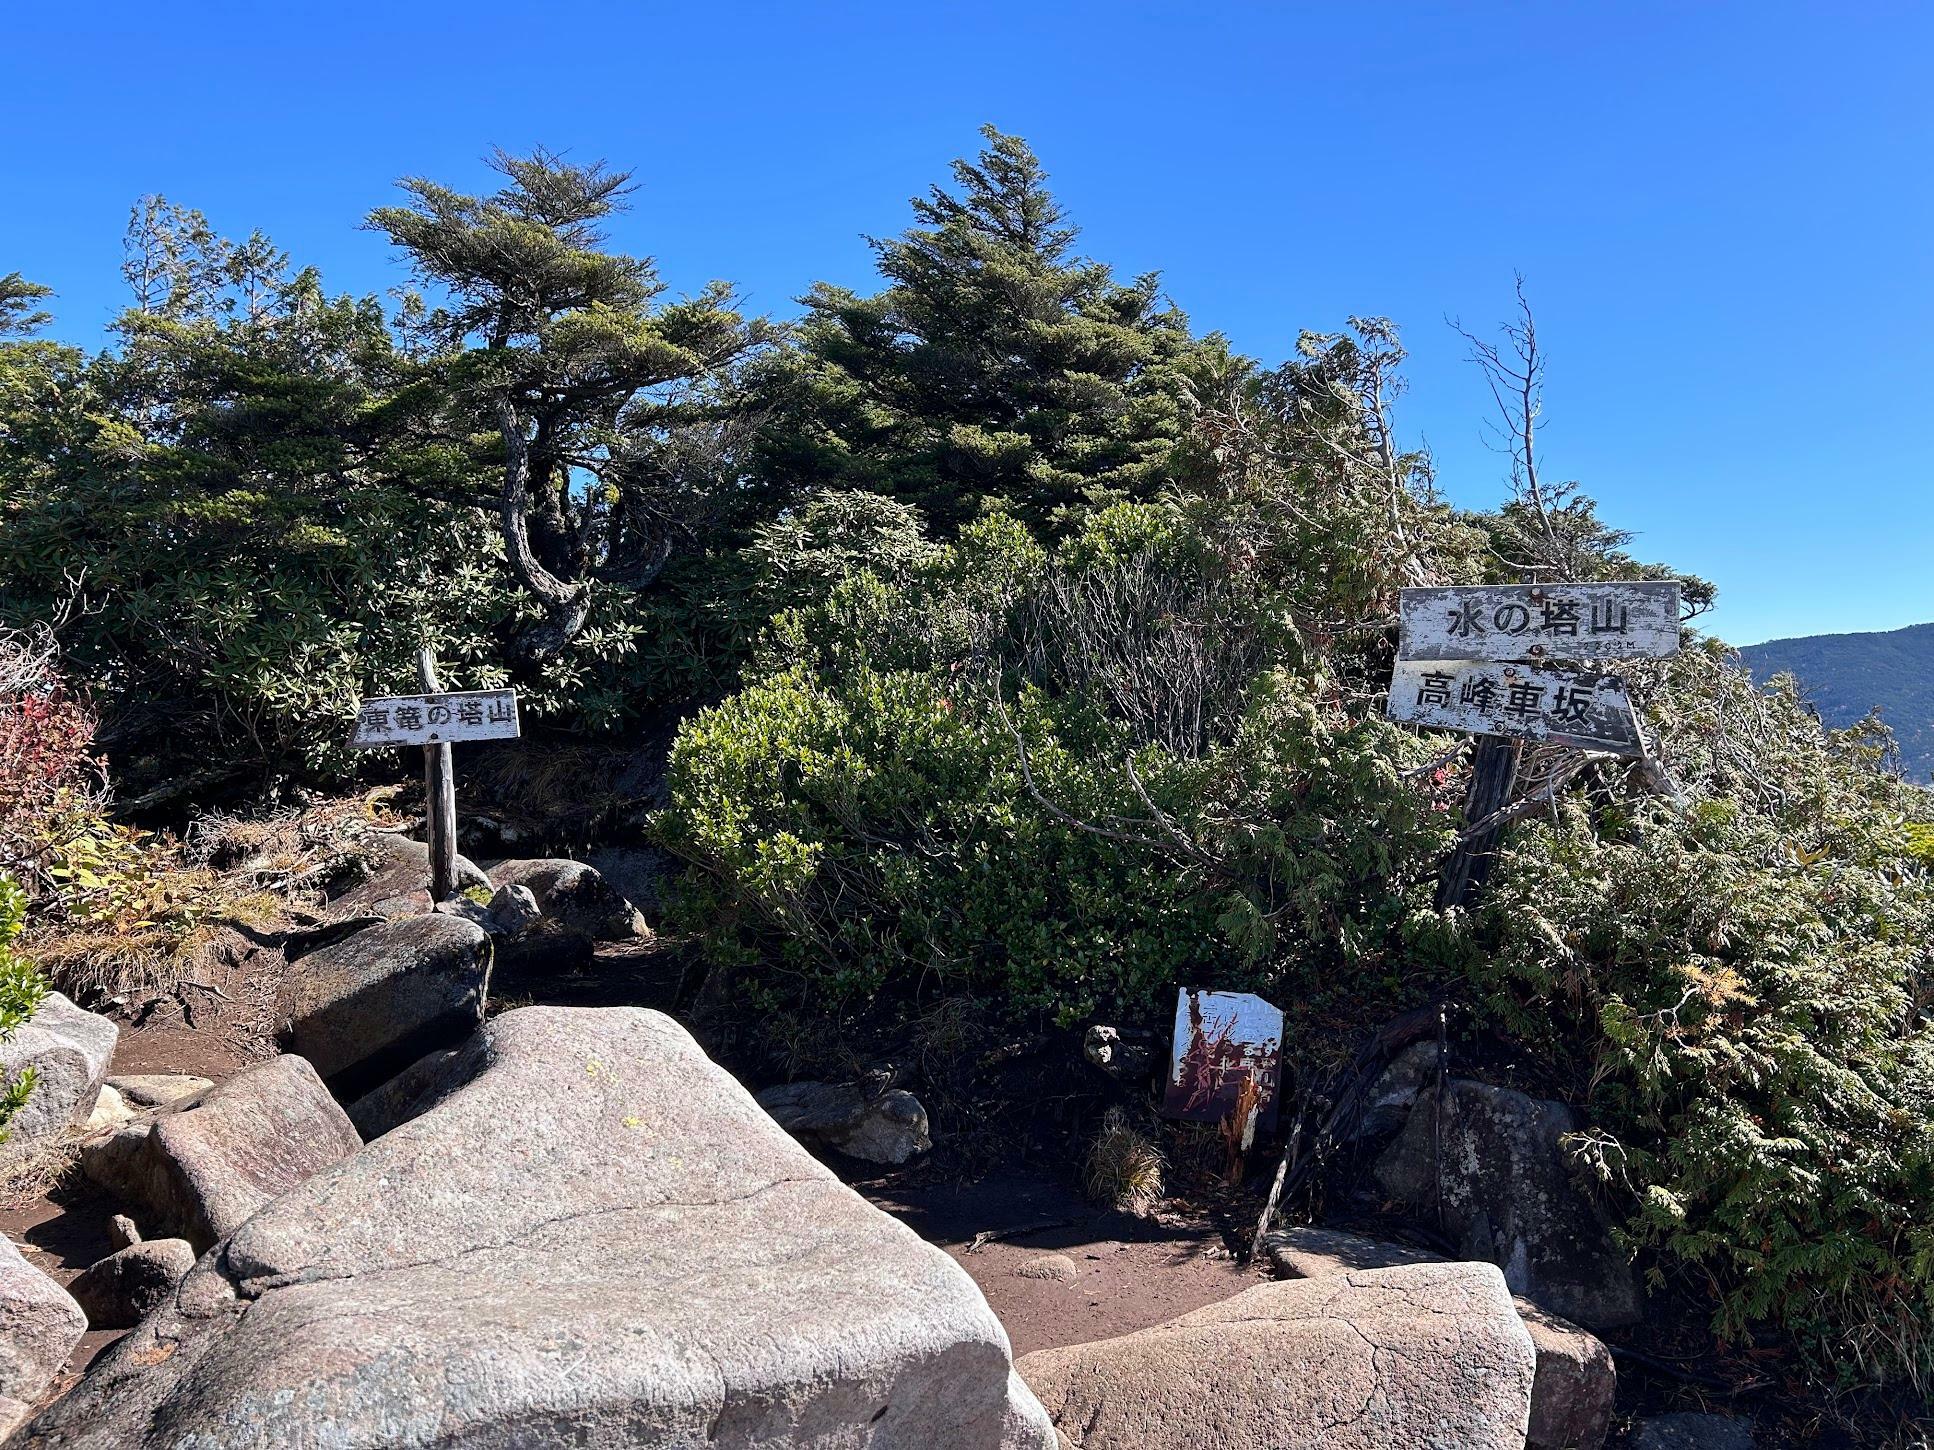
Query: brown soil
1130	1273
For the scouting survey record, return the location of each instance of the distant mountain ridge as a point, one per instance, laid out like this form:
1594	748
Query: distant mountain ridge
1846	675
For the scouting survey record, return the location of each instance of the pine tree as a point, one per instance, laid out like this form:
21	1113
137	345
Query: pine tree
995	366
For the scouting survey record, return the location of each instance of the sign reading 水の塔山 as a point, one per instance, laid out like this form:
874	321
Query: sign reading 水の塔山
1636	619
436	718
1484	658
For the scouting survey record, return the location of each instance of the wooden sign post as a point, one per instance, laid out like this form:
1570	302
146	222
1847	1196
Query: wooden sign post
433	720
1486	659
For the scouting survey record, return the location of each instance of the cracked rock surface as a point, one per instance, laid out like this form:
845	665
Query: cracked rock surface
593	1237
1417	1355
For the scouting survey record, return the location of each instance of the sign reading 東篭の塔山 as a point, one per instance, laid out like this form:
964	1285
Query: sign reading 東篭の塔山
1631	619
1521	701
436	719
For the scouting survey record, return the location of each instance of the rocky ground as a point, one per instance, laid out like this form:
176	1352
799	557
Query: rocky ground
377	1193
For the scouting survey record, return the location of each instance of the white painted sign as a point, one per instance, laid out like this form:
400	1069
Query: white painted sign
1624	620
436	719
1524	701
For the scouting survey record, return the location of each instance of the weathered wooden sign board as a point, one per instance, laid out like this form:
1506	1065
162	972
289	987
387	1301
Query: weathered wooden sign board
1520	701
433	719
1636	619
436	718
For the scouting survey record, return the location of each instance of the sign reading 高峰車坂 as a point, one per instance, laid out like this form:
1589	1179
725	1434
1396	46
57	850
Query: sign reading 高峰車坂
436	718
1521	701
1630	619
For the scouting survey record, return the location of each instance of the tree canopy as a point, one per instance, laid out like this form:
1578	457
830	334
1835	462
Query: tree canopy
996	365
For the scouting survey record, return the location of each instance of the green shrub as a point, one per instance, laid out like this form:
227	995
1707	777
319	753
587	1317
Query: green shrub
21	992
1743	984
962	783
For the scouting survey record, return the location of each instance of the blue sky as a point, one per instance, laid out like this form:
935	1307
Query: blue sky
1722	211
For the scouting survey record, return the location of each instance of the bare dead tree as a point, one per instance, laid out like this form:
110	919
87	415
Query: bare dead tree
1514	371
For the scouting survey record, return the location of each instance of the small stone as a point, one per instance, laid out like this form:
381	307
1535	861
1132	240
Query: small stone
131	1283
575	896
110	1110
1058	1267
513	910
122	1233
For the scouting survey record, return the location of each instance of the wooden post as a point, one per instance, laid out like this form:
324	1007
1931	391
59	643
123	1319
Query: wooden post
1494	770
439	795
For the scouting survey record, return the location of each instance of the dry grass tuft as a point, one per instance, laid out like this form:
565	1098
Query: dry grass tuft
1124	1167
32	1171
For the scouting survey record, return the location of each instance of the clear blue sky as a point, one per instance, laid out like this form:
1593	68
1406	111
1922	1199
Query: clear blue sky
1723	211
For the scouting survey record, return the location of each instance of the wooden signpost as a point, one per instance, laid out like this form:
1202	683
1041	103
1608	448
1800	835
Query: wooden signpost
433	720
1487	659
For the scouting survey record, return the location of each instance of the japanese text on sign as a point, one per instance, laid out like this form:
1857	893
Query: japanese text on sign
1526	702
430	719
1637	619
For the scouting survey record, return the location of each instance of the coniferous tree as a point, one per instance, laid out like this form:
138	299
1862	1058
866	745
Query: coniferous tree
608	403
995	366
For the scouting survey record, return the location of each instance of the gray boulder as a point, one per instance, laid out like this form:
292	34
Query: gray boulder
1508	1196
69	1049
594	1238
889	1127
1423	1354
39	1326
1576	1381
363	1008
131	1283
199	1167
513	910
1388	1102
575	896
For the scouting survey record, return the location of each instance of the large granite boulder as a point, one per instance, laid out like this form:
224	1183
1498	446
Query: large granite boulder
363	1008
575	896
39	1326
200	1166
1576	1383
1423	1354
69	1049
1508	1196
592	1237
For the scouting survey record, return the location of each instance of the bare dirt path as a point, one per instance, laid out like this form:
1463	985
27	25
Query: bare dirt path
1129	1273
